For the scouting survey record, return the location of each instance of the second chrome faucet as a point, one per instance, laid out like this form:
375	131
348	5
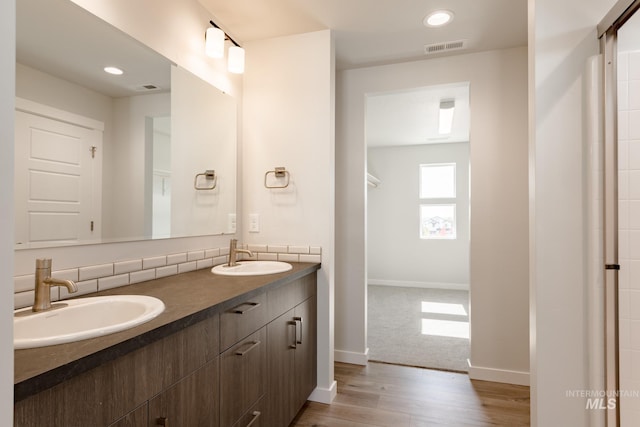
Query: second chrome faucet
234	251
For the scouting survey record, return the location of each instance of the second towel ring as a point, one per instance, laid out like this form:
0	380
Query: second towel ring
278	172
209	175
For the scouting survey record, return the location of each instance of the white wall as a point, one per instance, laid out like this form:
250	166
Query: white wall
562	35
396	255
288	109
7	105
204	137
498	155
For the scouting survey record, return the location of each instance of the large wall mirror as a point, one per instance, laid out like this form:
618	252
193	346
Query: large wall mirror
149	153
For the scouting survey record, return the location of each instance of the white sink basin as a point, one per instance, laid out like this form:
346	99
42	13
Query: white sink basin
81	319
252	268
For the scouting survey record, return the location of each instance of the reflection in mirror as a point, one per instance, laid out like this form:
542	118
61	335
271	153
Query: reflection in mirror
101	157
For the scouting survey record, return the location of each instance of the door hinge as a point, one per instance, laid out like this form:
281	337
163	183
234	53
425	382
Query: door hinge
91	225
93	151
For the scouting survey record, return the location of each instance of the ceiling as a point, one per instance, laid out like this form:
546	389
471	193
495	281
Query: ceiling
371	32
411	117
64	40
375	32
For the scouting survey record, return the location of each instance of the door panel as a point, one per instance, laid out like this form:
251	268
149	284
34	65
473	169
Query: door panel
57	187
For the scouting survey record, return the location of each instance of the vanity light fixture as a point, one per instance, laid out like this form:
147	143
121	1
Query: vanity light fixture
438	18
445	120
214	48
113	70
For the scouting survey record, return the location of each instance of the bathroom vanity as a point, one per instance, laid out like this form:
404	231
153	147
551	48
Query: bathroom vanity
227	351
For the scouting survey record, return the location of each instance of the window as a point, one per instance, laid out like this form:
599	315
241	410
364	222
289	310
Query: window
437	201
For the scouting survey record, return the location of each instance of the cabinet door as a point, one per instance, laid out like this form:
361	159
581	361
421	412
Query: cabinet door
243	375
192	401
280	355
305	353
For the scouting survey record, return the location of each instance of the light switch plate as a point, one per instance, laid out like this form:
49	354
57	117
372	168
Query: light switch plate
231	223
254	223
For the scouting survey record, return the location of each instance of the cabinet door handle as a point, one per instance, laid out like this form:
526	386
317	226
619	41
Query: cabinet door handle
253	345
249	306
256	415
162	421
295	334
296	320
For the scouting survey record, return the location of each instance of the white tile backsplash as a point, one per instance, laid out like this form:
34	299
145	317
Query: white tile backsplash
288	257
92	278
277	248
127	266
187	266
195	255
95	271
24	283
169	270
142	276
153	262
105	283
176	258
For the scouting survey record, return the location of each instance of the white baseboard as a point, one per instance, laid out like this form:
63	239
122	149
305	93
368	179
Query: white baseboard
498	375
324	395
351	357
428	285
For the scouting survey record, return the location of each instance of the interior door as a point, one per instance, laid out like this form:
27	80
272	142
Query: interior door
57	183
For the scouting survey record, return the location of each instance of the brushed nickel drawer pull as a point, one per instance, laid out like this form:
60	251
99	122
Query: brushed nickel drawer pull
298	319
295	333
251	306
162	421
253	345
256	415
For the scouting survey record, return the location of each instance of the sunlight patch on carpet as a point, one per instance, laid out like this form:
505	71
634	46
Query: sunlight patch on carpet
445	328
443	308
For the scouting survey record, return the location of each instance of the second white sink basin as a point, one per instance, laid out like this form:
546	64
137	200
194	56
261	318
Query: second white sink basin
252	268
83	318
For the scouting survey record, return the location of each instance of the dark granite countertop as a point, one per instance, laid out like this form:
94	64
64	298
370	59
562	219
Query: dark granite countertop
188	298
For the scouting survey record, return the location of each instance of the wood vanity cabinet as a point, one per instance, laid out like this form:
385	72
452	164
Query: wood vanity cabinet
250	365
118	391
291	354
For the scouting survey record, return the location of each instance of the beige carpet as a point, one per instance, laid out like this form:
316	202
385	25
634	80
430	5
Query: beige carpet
419	327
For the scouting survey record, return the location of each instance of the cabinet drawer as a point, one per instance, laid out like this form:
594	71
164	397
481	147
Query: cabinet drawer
243	371
284	298
255	417
242	319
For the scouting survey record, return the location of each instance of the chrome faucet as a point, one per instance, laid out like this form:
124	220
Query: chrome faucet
44	282
233	251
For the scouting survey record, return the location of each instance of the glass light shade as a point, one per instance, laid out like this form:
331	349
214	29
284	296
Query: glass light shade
438	18
214	42
445	122
236	60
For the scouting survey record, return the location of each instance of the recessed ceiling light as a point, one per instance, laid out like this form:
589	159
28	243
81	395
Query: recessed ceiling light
438	18
113	70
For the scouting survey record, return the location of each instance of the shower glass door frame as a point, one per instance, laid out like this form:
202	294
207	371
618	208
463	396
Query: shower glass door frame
608	33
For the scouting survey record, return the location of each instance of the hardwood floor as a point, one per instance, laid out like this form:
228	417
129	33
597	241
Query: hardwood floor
399	396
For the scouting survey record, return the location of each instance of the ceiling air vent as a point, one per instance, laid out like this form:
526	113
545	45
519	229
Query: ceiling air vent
430	49
147	87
